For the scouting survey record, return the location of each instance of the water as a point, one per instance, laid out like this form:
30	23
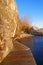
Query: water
38	49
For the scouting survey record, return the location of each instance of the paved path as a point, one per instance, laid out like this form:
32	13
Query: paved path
21	55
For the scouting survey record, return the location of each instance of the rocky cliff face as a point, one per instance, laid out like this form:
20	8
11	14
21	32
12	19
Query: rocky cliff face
9	13
8	25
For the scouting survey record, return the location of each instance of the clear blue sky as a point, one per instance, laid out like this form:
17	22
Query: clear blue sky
33	9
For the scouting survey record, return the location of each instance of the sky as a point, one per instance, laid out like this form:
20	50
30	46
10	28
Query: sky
32	9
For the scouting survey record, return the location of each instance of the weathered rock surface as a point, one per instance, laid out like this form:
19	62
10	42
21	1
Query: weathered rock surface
8	25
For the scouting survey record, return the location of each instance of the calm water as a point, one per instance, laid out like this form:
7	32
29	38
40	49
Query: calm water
38	50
